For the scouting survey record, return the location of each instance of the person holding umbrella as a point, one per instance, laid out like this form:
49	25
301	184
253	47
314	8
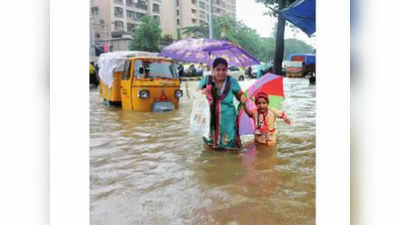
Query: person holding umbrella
220	89
264	119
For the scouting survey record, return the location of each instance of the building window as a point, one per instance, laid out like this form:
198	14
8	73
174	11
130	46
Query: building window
202	5
130	3
131	27
118	12
130	14
142	4
119	25
177	2
194	2
102	23
139	15
216	10
193	11
203	22
178	22
98	35
202	14
156	8
121	2
95	11
194	20
177	12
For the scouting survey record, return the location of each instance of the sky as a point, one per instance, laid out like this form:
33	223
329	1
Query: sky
252	14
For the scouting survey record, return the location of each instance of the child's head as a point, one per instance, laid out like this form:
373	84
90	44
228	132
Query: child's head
262	101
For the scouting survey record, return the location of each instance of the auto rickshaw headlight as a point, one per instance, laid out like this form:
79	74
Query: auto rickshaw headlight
144	94
178	93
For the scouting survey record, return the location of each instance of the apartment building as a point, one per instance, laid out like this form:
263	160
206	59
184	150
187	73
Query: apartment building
113	17
196	12
117	19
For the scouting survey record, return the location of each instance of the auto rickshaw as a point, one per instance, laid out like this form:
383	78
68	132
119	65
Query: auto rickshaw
139	81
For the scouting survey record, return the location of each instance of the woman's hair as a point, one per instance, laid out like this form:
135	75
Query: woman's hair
218	61
262	95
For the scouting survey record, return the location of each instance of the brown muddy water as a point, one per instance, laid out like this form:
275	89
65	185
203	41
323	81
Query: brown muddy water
147	168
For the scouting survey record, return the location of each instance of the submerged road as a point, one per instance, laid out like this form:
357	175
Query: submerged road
146	168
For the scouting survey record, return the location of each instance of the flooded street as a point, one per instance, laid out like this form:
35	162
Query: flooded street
146	168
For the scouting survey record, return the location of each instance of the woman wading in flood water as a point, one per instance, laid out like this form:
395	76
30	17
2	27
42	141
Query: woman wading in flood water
220	89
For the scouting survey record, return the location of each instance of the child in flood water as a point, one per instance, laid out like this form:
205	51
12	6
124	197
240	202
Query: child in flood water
264	118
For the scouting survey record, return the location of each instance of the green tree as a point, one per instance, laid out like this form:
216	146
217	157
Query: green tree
223	28
148	35
297	46
200	31
178	34
267	50
277	5
226	28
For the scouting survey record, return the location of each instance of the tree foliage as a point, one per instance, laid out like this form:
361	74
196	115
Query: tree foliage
223	28
200	31
148	35
297	46
276	6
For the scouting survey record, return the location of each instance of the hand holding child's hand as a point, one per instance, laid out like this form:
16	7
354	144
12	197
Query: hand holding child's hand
286	119
207	92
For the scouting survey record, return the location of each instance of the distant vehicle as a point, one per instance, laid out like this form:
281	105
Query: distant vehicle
306	58
258	70
294	69
307	67
192	70
139	81
236	72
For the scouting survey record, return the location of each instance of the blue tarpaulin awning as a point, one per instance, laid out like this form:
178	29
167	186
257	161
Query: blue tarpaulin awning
302	14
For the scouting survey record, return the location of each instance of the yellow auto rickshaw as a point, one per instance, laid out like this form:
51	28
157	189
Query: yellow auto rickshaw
139	81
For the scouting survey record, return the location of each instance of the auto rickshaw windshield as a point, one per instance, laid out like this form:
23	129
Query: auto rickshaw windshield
155	69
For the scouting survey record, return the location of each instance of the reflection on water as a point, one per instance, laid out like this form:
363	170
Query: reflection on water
146	168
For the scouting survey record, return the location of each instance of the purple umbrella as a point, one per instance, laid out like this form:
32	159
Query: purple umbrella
206	50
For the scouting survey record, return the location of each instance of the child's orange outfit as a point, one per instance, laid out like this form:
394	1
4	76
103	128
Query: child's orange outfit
265	126
264	119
